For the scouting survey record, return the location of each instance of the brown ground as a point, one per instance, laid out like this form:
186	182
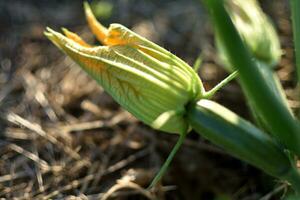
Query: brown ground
62	137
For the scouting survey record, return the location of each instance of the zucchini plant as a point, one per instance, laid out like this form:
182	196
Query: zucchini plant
165	93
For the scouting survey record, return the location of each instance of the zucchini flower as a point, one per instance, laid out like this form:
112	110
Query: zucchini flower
144	78
256	30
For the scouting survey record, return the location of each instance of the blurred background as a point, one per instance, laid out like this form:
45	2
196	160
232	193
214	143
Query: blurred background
63	137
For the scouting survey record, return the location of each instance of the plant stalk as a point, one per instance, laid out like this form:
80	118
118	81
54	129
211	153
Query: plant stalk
295	11
220	85
241	139
278	119
166	164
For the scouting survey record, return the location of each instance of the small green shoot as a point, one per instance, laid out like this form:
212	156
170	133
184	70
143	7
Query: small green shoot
220	85
166	164
198	63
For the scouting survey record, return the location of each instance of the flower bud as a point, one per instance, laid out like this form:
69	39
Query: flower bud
255	29
145	79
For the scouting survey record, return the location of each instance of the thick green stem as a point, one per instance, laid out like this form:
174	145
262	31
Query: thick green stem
295	9
277	117
241	139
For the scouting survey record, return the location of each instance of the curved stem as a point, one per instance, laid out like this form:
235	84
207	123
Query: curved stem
211	92
166	164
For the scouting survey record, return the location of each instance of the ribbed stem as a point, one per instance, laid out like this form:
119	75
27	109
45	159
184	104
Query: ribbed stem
295	9
240	138
276	116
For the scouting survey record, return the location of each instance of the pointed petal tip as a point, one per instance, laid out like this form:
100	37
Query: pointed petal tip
48	32
75	38
68	33
96	27
87	8
65	30
55	37
85	4
49	29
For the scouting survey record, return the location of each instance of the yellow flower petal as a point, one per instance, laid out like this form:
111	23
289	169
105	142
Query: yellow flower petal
115	35
143	85
98	29
76	38
144	78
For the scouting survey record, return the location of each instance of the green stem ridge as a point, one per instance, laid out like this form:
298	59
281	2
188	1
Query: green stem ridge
295	9
277	118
